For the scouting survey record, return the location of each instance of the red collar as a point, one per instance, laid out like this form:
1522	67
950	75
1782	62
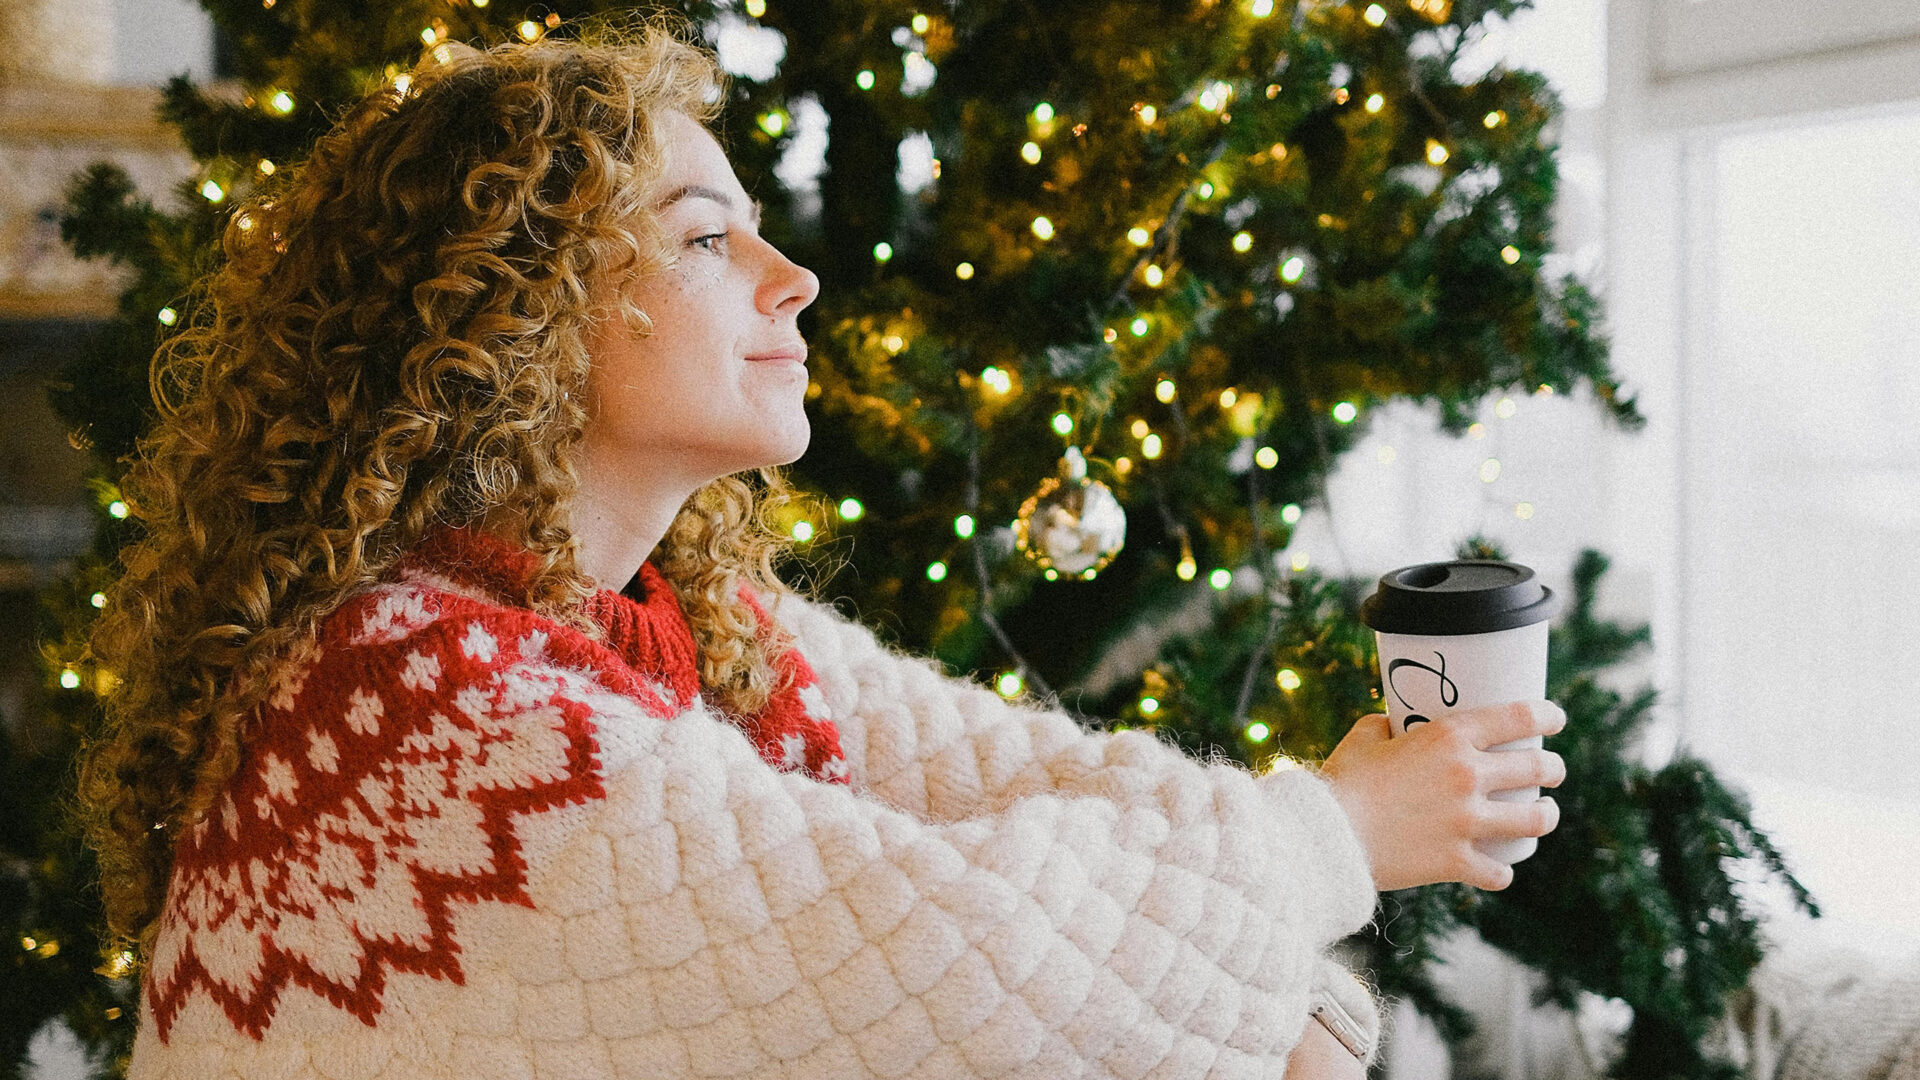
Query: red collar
642	623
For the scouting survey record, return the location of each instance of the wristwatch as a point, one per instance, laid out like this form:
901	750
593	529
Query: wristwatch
1333	1016
1341	1024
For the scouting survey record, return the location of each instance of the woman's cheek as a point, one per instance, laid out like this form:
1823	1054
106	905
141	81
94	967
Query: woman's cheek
699	274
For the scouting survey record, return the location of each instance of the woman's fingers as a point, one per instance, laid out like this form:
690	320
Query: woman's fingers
1506	821
1495	724
1513	820
1371	728
1503	770
1486	872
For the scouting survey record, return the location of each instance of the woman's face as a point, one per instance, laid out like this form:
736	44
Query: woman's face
719	385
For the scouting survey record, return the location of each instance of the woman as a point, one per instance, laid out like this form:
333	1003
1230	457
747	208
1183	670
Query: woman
465	731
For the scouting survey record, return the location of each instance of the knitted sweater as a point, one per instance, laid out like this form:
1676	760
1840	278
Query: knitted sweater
468	841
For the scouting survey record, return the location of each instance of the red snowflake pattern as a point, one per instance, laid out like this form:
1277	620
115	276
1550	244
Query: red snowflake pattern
379	787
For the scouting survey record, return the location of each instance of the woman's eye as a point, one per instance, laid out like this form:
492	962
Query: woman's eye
715	243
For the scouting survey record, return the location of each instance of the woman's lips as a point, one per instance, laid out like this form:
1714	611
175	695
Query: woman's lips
797	356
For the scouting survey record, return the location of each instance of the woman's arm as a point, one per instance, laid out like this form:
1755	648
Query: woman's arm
946	749
741	917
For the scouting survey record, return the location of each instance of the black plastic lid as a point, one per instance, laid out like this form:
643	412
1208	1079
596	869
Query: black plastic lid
1467	596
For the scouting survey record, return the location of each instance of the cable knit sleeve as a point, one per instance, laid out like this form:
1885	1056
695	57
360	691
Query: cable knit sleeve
480	853
773	920
947	749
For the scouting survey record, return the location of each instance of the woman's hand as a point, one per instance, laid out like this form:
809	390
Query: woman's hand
1419	802
1319	1056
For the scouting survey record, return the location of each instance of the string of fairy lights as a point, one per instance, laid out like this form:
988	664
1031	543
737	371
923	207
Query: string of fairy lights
1242	408
1242	411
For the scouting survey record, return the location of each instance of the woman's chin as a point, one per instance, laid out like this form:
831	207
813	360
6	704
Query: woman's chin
784	444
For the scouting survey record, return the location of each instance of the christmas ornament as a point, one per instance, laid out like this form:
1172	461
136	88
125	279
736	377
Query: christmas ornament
1071	524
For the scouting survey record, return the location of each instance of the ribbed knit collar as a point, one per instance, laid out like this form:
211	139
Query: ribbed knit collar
643	622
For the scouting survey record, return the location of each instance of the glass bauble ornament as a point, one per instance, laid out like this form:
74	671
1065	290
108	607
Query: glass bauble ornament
1071	524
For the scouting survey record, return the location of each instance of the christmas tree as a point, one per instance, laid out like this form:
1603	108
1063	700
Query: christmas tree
1075	376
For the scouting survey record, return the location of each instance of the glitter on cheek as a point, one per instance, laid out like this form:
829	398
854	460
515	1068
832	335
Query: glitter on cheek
696	275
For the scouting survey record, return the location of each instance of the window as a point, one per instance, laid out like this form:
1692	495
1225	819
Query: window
1764	168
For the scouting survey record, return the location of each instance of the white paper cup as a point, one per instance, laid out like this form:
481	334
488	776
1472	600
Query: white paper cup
1457	636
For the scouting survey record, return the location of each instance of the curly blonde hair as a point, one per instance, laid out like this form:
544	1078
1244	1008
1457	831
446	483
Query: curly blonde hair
397	340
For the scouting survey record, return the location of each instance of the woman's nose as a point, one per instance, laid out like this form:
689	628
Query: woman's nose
787	287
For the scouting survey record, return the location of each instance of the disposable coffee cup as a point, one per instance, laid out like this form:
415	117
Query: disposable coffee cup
1456	635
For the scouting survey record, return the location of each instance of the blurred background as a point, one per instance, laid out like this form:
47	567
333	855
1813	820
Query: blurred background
1739	184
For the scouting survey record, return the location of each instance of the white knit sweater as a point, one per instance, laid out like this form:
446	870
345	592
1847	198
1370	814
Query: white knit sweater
480	853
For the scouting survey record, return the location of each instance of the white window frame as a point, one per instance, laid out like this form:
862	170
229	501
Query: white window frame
1682	76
